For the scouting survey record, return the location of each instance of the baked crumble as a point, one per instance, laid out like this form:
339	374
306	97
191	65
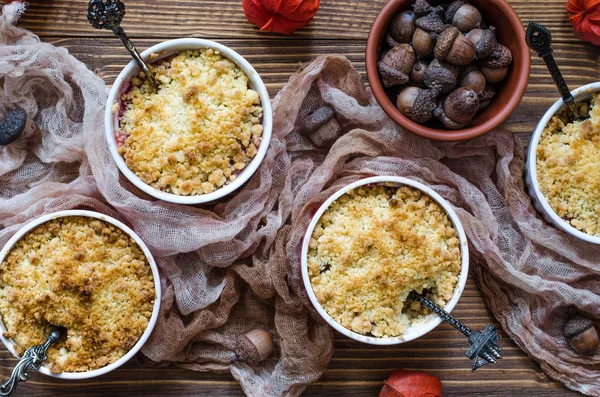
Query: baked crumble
195	132
372	247
568	167
83	274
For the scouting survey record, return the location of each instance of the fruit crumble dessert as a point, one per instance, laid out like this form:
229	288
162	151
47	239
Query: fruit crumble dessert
568	167
372	247
85	275
197	130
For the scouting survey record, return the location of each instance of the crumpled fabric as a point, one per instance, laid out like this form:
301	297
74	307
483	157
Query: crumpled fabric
234	266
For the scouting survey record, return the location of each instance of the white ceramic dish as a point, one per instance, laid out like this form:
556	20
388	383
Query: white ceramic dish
100	371
537	197
433	321
164	50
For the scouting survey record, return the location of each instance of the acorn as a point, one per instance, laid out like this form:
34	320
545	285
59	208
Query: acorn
581	334
423	42
441	76
254	346
396	64
501	57
471	77
417	104
432	22
454	47
457	110
418	72
12	126
463	15
485	98
403	26
494	75
484	40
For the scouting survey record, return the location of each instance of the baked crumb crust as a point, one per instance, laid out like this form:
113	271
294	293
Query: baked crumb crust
197	131
372	247
568	168
83	274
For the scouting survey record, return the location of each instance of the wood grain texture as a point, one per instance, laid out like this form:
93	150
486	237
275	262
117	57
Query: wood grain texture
341	27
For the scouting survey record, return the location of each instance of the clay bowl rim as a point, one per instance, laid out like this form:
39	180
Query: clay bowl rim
521	72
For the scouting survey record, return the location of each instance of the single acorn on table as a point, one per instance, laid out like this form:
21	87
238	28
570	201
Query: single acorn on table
450	55
581	334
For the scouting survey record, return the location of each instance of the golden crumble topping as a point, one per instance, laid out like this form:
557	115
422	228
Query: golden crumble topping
82	274
197	131
372	247
568	168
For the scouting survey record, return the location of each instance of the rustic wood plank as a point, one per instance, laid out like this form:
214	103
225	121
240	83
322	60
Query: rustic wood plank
341	27
336	19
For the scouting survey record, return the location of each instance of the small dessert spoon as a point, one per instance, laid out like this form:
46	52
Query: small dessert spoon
108	14
484	347
31	360
539	39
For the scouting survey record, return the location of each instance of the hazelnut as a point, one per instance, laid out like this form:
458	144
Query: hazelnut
463	15
423	42
458	108
417	104
403	26
431	23
454	47
581	334
472	78
494	75
484	40
418	73
441	76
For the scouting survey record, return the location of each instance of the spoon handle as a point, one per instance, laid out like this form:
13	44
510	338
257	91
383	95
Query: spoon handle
120	33
31	360
539	39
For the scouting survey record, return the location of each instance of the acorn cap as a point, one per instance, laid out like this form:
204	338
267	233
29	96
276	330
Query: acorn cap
421	8
12	126
445	41
441	76
576	326
390	76
389	40
425	104
487	43
452	8
431	23
488	94
501	57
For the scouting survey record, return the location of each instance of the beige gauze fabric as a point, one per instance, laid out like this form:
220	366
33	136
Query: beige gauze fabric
233	267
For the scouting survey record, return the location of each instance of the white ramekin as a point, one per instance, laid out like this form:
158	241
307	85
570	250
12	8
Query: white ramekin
413	332
164	50
538	199
100	371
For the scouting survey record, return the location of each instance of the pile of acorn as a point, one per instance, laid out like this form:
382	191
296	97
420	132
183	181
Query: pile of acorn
445	62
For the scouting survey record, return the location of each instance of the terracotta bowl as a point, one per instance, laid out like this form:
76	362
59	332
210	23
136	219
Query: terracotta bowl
510	32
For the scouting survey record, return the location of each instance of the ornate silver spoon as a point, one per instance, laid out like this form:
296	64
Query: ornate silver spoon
539	39
31	360
108	14
484	349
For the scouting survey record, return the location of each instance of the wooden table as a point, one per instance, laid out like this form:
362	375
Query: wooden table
341	27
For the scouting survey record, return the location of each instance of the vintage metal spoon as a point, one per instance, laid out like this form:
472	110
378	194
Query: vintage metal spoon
108	14
539	39
484	349
31	360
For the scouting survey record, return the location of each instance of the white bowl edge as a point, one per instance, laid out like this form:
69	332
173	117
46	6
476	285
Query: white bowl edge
538	199
415	331
90	214
172	47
